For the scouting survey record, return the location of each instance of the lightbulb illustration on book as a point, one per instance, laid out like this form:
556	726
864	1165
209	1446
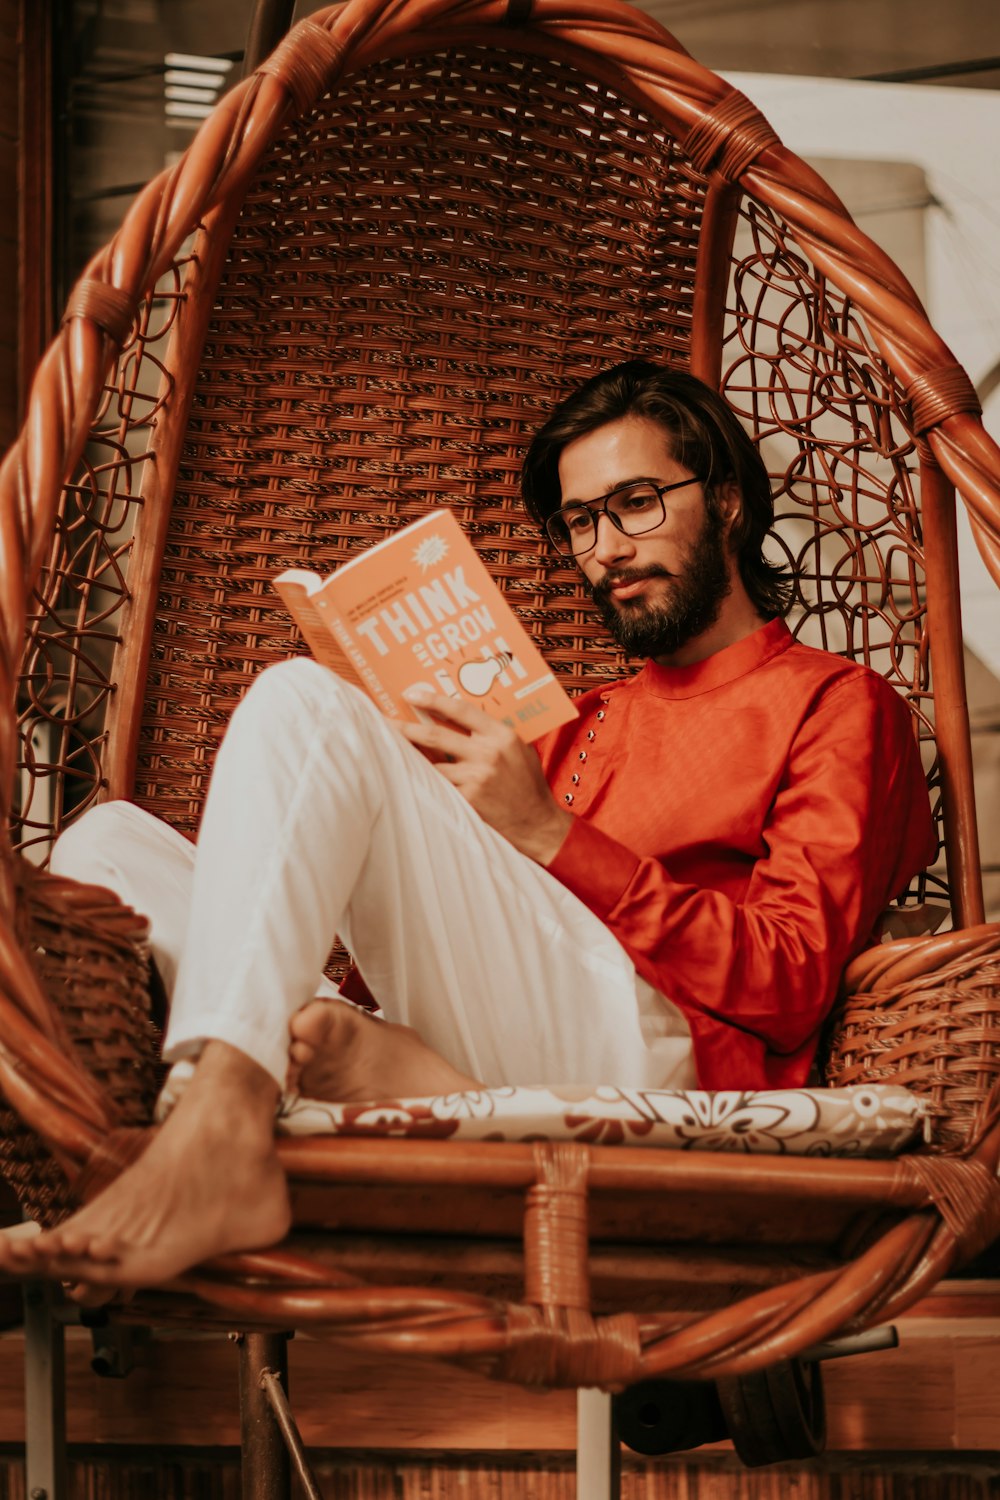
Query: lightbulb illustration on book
477	677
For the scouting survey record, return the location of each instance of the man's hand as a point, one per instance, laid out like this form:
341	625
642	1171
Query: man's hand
495	772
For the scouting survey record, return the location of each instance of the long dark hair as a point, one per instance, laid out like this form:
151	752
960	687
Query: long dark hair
705	436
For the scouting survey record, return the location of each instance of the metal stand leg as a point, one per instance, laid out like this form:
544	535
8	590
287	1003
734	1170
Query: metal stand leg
598	1451
266	1473
44	1396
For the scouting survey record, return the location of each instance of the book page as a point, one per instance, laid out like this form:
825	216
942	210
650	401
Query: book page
421	608
324	646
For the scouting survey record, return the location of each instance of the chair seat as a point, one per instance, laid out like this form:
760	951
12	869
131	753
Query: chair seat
876	1121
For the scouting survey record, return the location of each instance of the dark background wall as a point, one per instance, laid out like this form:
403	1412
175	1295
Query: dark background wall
8	217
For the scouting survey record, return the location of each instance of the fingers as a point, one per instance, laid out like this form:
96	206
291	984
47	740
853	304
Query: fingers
437	740
453	710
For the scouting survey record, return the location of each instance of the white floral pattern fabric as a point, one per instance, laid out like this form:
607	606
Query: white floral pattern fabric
878	1121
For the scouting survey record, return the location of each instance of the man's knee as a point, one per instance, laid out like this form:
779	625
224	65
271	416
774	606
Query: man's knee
286	686
299	692
91	847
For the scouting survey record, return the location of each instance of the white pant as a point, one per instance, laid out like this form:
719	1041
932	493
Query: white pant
320	819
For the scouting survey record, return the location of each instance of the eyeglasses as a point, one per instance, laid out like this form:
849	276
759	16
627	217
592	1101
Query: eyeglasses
634	508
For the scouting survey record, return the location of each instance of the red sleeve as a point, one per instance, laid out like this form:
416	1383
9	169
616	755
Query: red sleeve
849	826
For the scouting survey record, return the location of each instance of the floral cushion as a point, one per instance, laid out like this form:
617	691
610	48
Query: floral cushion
876	1121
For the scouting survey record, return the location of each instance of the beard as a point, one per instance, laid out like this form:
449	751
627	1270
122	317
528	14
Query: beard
690	606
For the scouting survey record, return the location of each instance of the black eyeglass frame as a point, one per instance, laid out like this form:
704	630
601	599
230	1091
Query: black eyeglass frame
598	508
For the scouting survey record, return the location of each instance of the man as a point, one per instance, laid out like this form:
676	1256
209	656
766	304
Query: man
666	893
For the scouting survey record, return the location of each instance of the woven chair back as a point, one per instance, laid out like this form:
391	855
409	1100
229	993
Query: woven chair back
423	261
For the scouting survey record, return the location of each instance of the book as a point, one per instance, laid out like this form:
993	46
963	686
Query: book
420	609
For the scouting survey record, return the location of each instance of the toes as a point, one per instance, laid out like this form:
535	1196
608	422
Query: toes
18	1233
19	1240
65	1254
73	1244
85	1294
300	1056
315	1022
19	1248
11	1264
86	1274
103	1249
69	1240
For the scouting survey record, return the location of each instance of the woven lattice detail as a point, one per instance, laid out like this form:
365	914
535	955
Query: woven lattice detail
67	677
420	268
925	1016
91	956
830	421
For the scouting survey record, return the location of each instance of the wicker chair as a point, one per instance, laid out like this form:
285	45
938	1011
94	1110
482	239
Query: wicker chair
384	256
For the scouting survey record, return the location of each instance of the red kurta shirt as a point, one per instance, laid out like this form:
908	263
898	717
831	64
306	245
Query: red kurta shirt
741	823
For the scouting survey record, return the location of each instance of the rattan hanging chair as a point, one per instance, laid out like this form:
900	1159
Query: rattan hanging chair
382	259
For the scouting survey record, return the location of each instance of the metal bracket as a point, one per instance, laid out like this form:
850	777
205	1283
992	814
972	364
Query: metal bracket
873	1339
273	1389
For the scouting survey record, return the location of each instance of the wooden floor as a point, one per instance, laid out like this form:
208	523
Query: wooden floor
182	1476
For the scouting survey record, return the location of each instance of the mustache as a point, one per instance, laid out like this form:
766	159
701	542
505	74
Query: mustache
601	590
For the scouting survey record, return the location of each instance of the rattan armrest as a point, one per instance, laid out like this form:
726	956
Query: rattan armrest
925	1013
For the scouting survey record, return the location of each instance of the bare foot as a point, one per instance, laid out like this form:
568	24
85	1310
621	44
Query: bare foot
208	1183
341	1054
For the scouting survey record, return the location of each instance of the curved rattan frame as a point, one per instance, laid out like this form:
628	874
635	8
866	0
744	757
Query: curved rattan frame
951	1204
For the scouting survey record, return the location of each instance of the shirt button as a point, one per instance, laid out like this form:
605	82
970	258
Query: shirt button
590	734
568	797
600	714
575	778
582	755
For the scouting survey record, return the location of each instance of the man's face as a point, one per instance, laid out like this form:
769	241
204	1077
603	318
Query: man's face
659	590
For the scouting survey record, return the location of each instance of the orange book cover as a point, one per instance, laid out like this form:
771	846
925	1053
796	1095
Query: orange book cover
420	608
